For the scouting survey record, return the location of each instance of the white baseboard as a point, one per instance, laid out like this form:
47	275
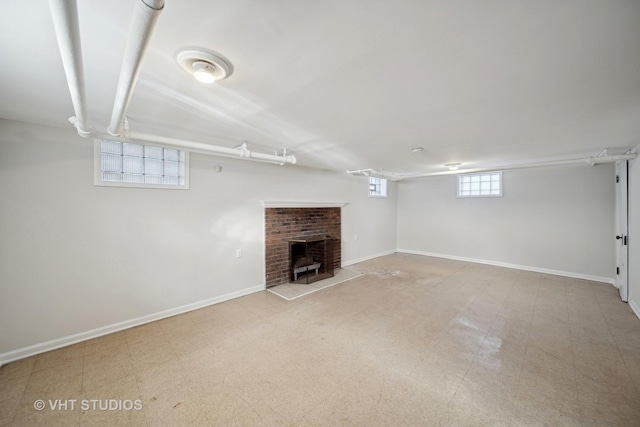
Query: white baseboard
367	258
635	308
94	333
31	350
515	266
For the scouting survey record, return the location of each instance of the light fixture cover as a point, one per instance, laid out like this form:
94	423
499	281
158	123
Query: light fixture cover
204	72
453	166
199	62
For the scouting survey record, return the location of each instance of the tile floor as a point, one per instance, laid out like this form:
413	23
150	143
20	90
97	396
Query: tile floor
414	341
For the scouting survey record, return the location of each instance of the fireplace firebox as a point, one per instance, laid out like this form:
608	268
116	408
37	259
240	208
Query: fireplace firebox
310	259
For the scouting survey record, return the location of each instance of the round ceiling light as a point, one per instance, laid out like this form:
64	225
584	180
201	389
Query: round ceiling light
205	65
204	72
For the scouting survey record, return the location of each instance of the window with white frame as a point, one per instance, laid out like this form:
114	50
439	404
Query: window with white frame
129	164
377	187
486	184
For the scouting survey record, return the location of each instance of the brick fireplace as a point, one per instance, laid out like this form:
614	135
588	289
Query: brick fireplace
283	224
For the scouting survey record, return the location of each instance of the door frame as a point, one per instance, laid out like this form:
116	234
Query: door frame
622	229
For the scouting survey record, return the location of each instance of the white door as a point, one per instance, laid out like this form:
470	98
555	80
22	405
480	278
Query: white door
622	248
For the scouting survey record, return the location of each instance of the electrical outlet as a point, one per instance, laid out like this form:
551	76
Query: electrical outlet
239	253
355	237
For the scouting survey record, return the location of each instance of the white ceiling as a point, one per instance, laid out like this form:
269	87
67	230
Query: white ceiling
350	84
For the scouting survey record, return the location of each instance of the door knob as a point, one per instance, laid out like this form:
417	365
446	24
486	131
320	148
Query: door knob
618	237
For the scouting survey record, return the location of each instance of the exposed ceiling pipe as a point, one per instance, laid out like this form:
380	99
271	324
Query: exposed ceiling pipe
242	151
67	28
591	161
144	18
374	173
65	17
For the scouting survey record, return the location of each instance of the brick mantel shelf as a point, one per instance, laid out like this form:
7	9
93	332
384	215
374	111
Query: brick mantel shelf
298	204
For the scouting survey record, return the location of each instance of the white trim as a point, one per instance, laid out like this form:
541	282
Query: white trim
635	308
367	258
298	204
31	350
514	266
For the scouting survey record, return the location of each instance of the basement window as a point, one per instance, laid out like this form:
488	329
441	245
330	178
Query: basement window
377	187
126	164
486	184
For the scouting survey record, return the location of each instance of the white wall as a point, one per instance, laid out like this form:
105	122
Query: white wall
634	235
75	257
559	219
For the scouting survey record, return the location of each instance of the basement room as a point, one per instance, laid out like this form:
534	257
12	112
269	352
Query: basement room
338	213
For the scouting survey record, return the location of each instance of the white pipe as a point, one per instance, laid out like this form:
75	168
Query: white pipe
374	173
200	147
67	28
281	160
144	18
361	172
591	161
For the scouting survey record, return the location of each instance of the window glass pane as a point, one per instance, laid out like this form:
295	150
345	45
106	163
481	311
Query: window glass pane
479	184
142	164
152	179
152	167
111	162
111	177
114	147
133	164
171	154
130	177
129	149
171	168
153	152
377	187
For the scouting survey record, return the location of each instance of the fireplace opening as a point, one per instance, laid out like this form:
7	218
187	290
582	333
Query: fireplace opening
310	259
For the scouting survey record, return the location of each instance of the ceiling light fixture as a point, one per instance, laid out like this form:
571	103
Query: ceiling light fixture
453	166
204	72
205	65
417	149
